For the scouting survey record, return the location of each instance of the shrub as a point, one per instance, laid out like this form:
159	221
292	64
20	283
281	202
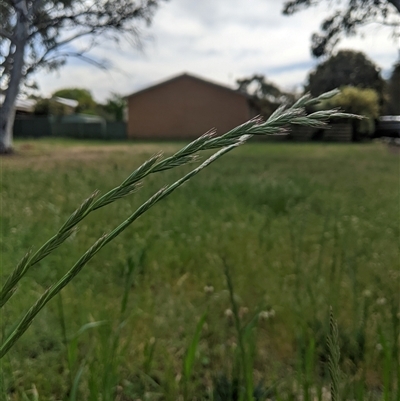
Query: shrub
46	107
360	101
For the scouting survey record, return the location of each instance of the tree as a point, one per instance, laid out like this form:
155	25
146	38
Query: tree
266	95
393	104
38	33
363	102
346	68
47	107
83	96
115	107
346	18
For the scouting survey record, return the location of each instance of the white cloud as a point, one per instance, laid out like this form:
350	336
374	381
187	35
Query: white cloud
220	40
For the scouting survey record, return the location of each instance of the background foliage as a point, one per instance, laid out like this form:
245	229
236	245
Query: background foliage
364	102
346	68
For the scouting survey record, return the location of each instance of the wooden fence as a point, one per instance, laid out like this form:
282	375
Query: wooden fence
39	127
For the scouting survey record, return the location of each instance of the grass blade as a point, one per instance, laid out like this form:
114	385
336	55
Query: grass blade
334	357
190	356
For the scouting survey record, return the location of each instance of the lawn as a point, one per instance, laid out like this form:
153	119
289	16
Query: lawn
295	228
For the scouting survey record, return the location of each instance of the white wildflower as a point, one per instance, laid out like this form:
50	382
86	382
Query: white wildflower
28	211
264	315
228	313
243	311
208	289
381	301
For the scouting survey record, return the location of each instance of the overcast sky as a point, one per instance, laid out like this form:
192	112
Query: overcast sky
220	40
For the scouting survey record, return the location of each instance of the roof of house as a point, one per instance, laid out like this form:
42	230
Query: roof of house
26	105
66	102
193	77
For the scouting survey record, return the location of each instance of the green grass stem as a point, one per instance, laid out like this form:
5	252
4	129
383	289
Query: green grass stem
334	358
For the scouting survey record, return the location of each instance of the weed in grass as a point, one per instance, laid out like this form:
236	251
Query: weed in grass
239	383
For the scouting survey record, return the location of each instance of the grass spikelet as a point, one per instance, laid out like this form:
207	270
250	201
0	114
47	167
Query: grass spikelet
26	321
285	117
322	114
347	115
79	213
140	172
49	247
168	164
130	185
9	286
328	95
230	137
27	262
116	194
325	96
277	112
196	145
309	122
302	101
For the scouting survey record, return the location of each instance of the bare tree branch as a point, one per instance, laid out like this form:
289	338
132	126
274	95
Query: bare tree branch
346	18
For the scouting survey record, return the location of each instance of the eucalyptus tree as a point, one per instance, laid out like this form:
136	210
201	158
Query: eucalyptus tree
393	104
40	34
267	96
346	68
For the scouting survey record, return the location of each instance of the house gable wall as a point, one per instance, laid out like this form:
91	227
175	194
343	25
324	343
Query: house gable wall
183	108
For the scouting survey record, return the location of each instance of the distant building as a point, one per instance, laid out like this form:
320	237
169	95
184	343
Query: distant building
22	106
69	104
27	106
185	107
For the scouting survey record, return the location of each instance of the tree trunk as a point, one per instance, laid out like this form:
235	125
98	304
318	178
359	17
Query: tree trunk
396	3
7	111
6	129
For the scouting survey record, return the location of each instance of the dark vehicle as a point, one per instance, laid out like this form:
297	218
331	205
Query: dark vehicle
388	126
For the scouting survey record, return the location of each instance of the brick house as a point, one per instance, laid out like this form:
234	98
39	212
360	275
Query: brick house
184	107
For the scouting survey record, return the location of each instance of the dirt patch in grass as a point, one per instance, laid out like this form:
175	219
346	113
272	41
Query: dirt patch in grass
42	155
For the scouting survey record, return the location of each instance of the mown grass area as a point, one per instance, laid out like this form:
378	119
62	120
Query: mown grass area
298	227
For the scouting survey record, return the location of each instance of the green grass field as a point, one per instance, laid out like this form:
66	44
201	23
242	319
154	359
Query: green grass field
298	227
